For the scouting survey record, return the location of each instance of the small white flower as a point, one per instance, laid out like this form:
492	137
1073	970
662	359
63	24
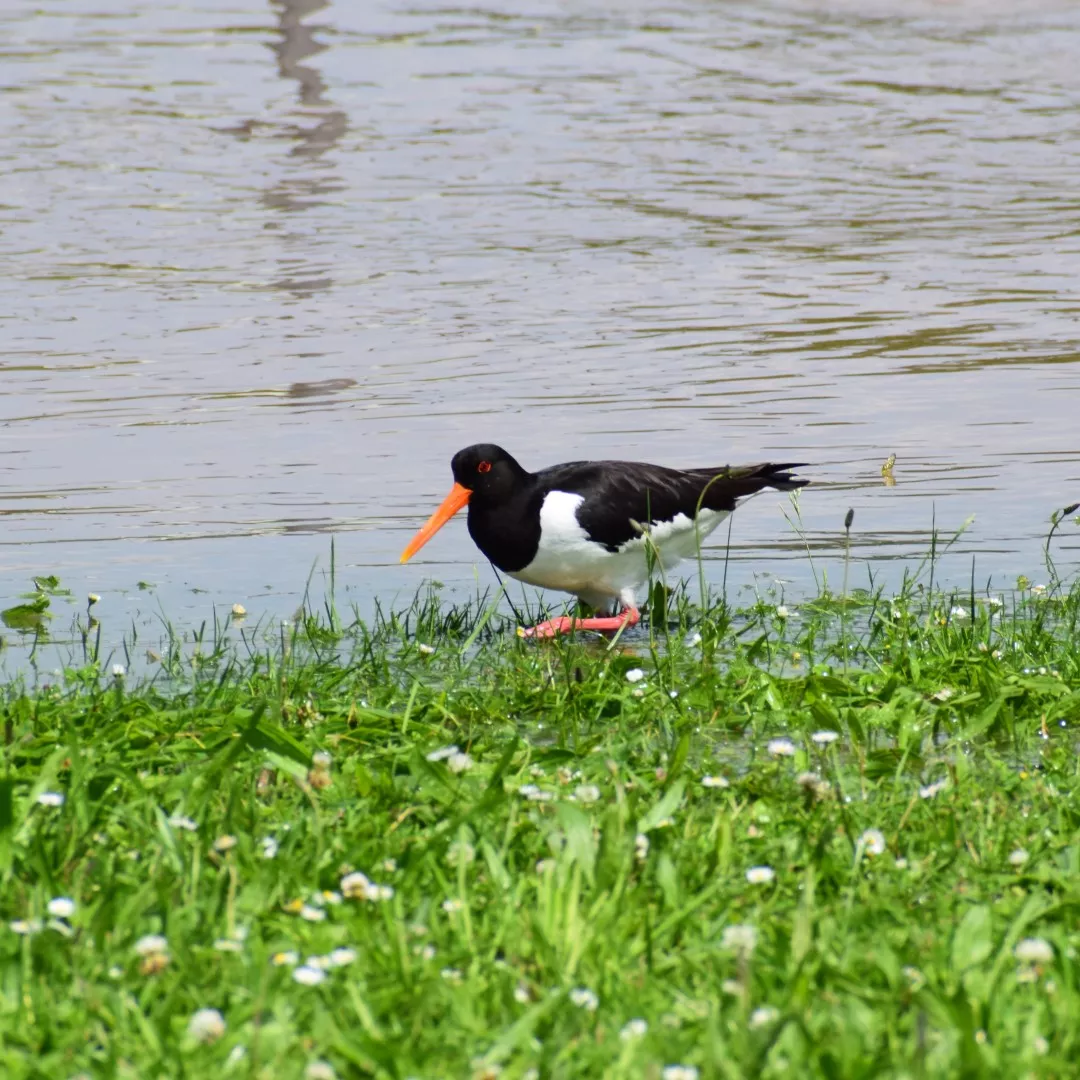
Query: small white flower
760	875
584	998
389	866
236	1055
873	841
225	843
679	1072
311	914
995	601
739	938
206	1025
782	612
635	674
320	963
1019	857
269	847
320	1070
1038	590
459	763
288	958
825	737
61	907
535	794
633	1029
228	945
943	694
428	952
715	782
694	639
452	905
355	886
732	987
587	793
151	945
933	789
51	798
180	821
1034	950
443	753
379	893
521	994
321	760
1040	1045
451	975
960	613
996	654
25	926
641	847
239	611
92	598
425	650
781	747
916	979
306	975
119	671
763	1017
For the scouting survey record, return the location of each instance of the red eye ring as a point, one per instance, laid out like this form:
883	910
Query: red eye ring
484	466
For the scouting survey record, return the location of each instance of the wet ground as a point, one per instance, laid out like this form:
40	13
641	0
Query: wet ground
265	267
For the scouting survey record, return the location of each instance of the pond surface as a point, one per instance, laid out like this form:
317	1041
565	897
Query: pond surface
265	267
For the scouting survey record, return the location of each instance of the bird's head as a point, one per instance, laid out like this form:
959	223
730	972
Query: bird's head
485	471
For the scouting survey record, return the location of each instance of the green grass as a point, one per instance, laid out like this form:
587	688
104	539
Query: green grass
571	869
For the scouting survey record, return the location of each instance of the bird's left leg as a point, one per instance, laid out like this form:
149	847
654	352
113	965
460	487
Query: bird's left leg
562	625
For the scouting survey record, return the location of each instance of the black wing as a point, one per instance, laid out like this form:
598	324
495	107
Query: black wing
618	493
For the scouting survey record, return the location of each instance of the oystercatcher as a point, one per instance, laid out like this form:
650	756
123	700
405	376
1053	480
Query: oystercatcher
584	527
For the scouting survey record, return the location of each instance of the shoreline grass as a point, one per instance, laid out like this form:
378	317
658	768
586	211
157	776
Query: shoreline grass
837	841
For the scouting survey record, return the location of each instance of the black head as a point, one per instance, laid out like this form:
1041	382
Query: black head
488	471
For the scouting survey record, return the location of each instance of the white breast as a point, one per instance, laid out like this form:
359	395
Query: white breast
570	561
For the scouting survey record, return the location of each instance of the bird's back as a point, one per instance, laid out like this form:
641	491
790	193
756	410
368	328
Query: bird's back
621	496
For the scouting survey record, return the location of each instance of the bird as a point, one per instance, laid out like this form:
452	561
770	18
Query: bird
586	527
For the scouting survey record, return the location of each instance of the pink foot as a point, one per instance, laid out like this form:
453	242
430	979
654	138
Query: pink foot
564	624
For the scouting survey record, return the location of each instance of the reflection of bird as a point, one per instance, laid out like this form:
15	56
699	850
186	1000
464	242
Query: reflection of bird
585	527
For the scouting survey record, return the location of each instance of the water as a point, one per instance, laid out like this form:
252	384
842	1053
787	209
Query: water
265	267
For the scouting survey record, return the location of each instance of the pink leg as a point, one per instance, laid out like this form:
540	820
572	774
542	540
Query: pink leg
564	624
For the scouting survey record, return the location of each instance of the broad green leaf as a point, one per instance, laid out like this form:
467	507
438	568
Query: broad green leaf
973	939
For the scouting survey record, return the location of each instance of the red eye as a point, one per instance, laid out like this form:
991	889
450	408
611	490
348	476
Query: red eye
484	466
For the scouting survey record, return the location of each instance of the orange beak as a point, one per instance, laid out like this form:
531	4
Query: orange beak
453	502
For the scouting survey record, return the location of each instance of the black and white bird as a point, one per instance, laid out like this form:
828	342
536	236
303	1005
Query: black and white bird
584	527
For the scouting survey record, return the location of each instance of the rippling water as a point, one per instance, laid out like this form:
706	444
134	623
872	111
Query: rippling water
265	267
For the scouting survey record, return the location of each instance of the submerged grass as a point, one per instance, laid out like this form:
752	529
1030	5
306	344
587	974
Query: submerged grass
839	842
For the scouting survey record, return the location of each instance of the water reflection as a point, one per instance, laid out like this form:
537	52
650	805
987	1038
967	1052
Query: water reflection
297	43
311	182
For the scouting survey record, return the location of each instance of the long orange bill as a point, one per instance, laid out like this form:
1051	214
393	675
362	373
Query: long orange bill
453	502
